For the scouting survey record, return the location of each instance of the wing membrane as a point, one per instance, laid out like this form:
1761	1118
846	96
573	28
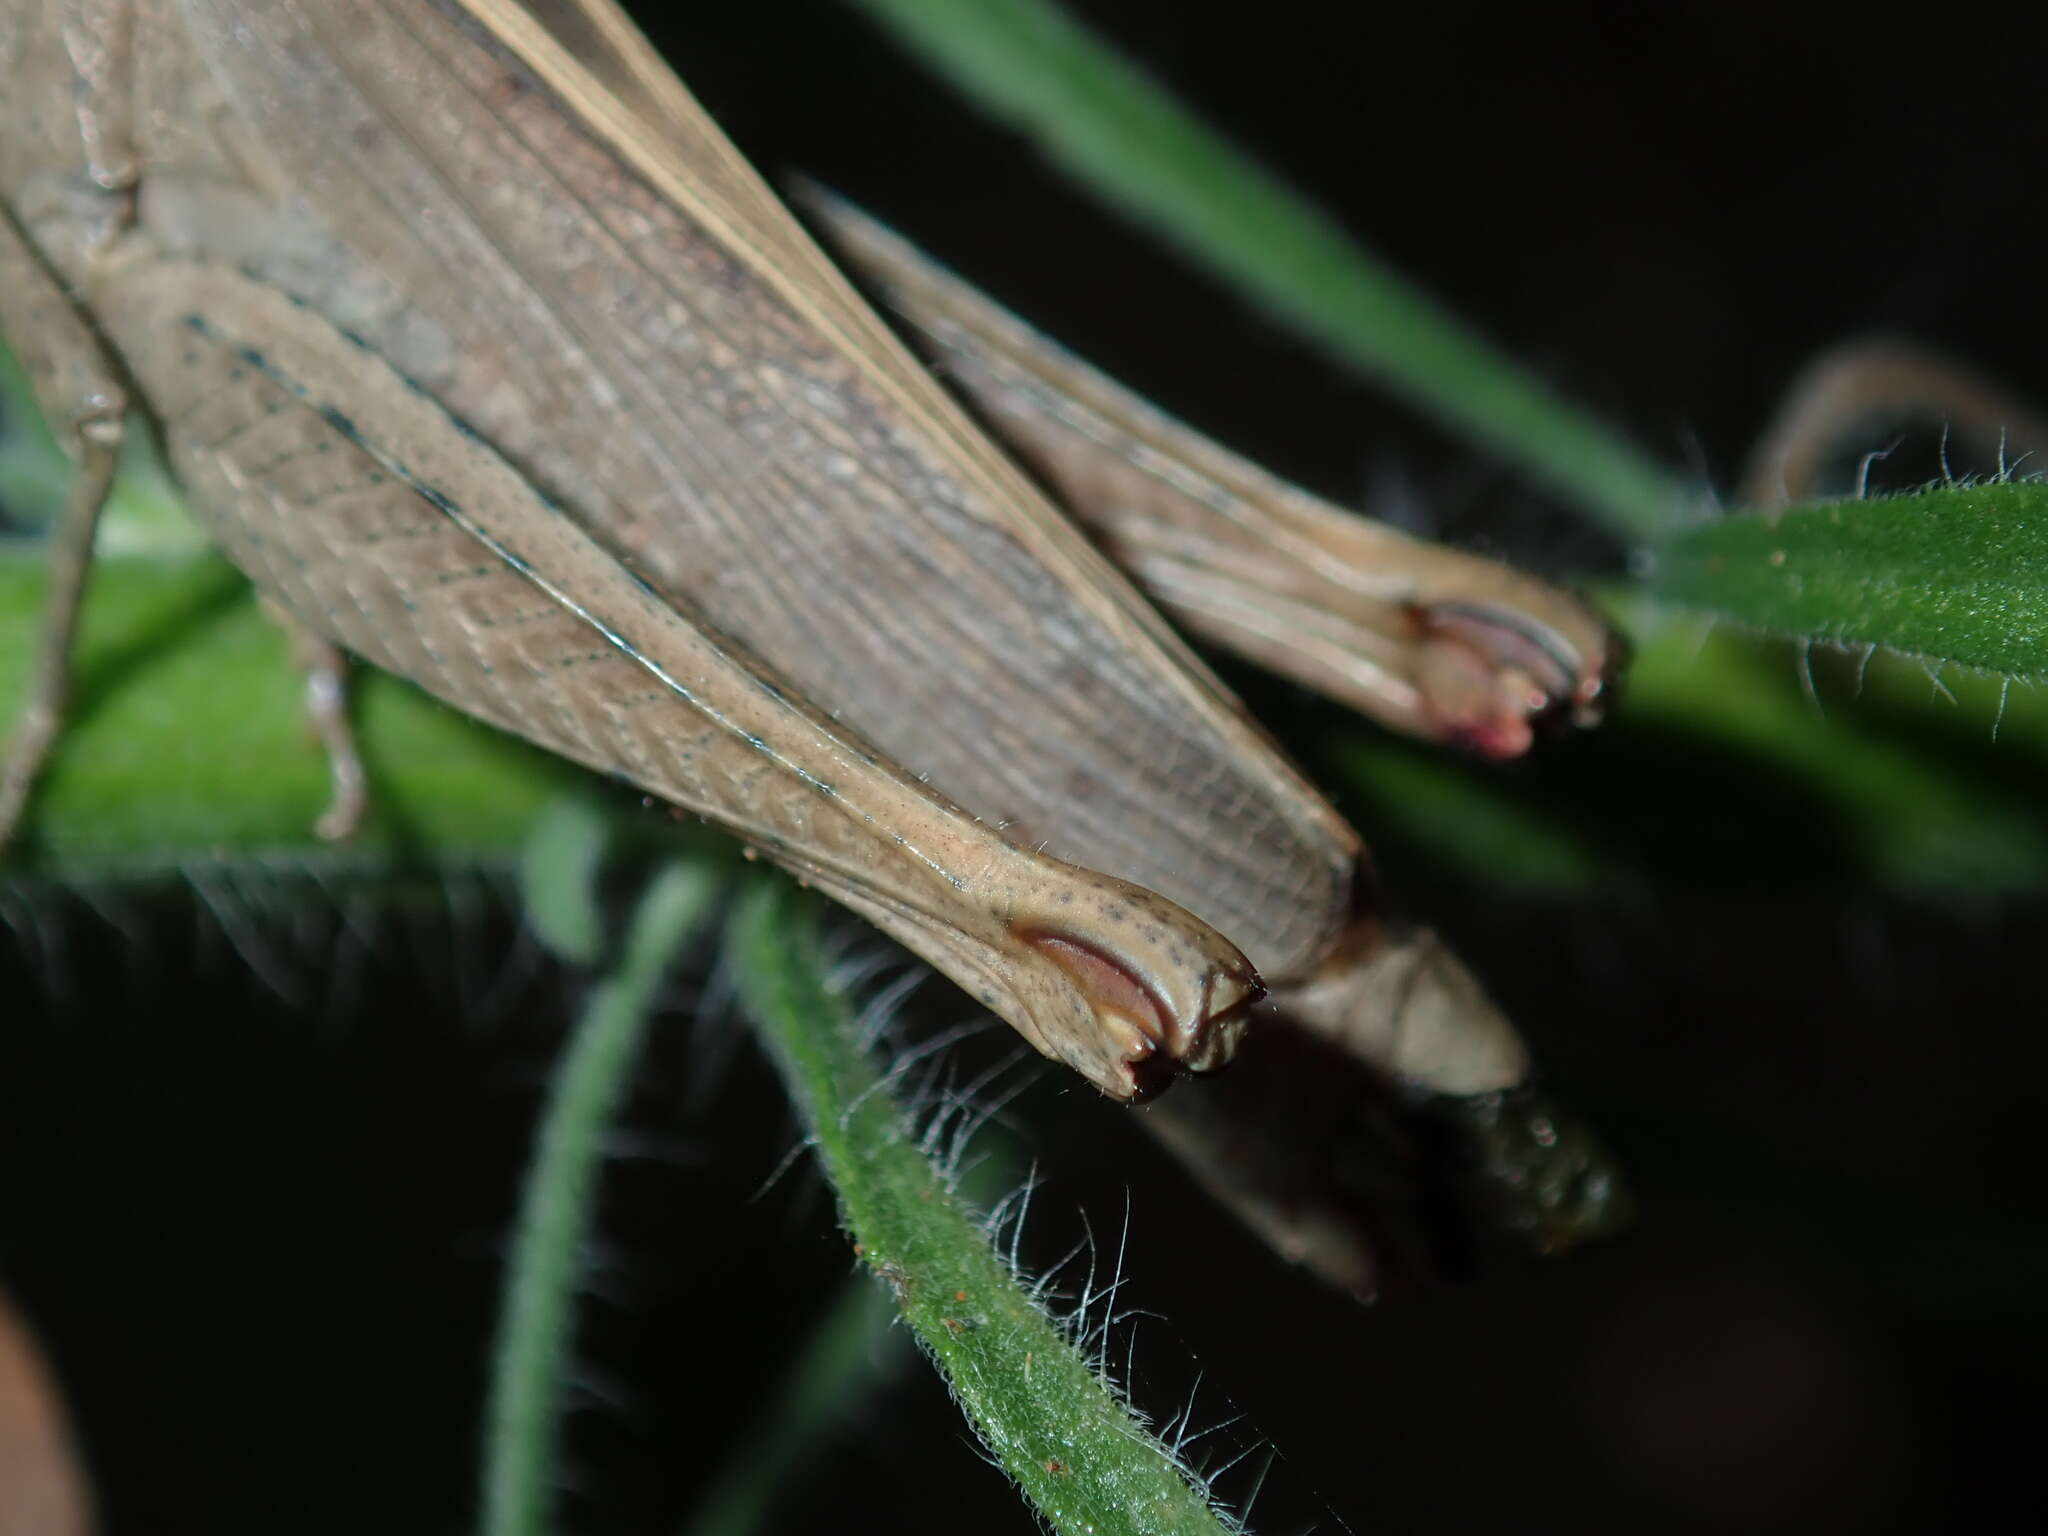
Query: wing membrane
630	317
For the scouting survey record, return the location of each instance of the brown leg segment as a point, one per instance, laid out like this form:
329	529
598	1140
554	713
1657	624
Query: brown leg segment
76	383
325	666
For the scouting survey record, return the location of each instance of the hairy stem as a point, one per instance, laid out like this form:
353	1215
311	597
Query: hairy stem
1047	1418
524	1407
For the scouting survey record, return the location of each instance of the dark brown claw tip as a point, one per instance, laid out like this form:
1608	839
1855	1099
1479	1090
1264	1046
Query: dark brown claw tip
1151	1077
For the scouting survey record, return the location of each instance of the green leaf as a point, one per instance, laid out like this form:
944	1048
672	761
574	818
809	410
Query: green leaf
187	743
1050	1422
1909	808
1953	574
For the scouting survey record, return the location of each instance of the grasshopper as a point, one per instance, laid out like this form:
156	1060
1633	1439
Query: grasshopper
479	348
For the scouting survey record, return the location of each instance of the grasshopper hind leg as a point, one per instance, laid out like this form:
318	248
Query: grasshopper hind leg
80	392
324	665
1529	1174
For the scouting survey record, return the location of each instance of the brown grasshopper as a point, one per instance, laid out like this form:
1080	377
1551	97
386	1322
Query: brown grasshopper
483	353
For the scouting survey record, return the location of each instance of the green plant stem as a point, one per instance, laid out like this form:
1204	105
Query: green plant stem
1030	65
1045	1416
523	1409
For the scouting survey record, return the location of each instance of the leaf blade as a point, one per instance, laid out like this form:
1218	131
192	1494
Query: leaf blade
1954	574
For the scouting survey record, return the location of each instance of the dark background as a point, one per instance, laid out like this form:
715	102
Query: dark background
256	1164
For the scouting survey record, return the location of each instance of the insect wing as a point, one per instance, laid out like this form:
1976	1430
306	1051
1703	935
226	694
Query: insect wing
597	285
